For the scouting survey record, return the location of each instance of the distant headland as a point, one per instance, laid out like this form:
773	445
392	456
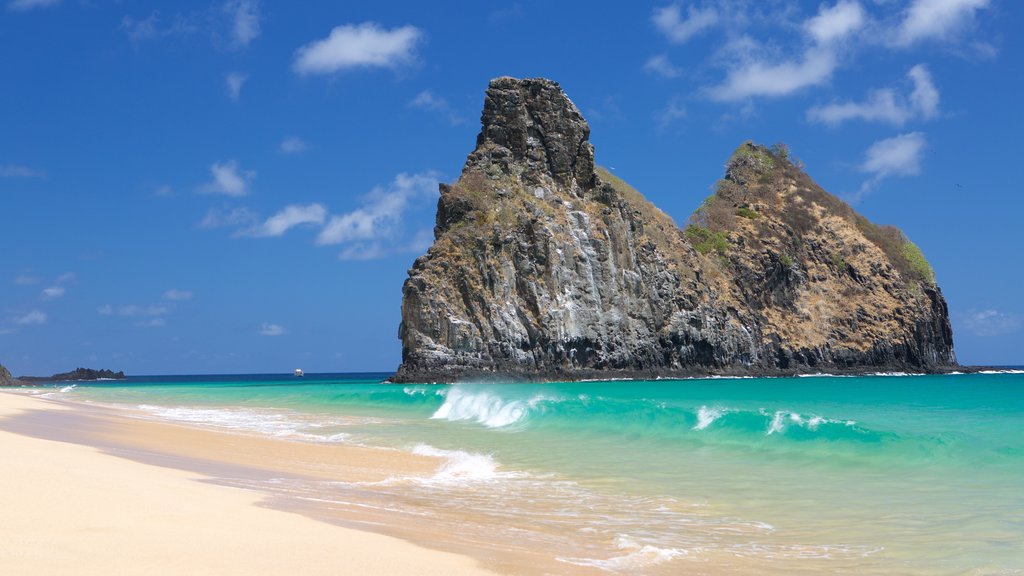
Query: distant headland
545	266
78	374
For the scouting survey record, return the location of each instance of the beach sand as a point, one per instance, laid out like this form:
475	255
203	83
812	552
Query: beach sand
76	506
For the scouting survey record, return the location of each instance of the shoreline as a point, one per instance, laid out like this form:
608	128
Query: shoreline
94	492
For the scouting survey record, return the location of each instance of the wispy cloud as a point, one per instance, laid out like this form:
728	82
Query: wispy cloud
293	145
132	310
268	329
753	71
32	317
154	27
229	217
26	5
991	322
244	21
234	82
177	295
673	110
365	45
939	20
288	218
228	179
20	171
427	100
661	66
380	217
896	156
669	20
52	292
26	280
886	105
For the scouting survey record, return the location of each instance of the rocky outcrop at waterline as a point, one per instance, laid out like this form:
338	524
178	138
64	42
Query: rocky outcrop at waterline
6	379
545	266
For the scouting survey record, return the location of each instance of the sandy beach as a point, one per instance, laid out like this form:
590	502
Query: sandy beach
76	508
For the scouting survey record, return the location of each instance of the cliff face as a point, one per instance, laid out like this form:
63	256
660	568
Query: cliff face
6	379
544	266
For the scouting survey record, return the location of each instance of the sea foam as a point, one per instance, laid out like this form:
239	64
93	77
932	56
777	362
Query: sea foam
487	408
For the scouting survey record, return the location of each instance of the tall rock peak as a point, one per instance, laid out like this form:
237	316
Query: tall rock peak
545	267
532	130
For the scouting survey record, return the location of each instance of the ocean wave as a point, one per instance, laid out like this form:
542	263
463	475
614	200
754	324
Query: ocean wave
707	416
1007	371
639	556
488	408
783	419
461	467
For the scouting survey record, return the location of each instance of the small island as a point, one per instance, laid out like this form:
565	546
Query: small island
78	374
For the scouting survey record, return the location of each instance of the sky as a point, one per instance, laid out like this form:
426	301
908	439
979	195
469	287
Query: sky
241	186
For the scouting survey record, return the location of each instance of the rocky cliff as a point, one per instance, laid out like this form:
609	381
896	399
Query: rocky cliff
6	379
547	267
78	374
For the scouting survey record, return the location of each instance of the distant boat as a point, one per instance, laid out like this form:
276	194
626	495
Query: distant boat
298	372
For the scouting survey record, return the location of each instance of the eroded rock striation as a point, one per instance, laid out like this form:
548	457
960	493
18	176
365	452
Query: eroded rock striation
545	266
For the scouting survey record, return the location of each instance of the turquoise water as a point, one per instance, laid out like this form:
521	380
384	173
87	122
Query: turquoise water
877	474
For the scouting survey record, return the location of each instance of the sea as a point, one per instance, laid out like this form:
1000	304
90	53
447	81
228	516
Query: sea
879	474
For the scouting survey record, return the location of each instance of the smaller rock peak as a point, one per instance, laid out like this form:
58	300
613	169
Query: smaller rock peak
530	128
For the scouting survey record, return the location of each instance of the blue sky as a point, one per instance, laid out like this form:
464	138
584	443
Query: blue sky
240	186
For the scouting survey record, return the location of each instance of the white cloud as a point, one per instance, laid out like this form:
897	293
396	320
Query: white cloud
52	292
365	45
382	212
670	22
67	277
234	82
661	66
773	80
896	156
936	20
26	5
153	323
132	310
19	171
227	217
886	105
228	180
26	280
33	317
173	294
836	23
288	218
244	16
268	329
991	322
427	100
925	97
293	145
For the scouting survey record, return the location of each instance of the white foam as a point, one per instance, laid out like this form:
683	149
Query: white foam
640	556
277	424
486	408
782	419
1007	371
460	467
707	416
68	388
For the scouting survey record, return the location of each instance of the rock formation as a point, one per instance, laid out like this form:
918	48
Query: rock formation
547	267
7	380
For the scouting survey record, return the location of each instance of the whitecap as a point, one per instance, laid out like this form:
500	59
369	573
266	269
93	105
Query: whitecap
487	408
